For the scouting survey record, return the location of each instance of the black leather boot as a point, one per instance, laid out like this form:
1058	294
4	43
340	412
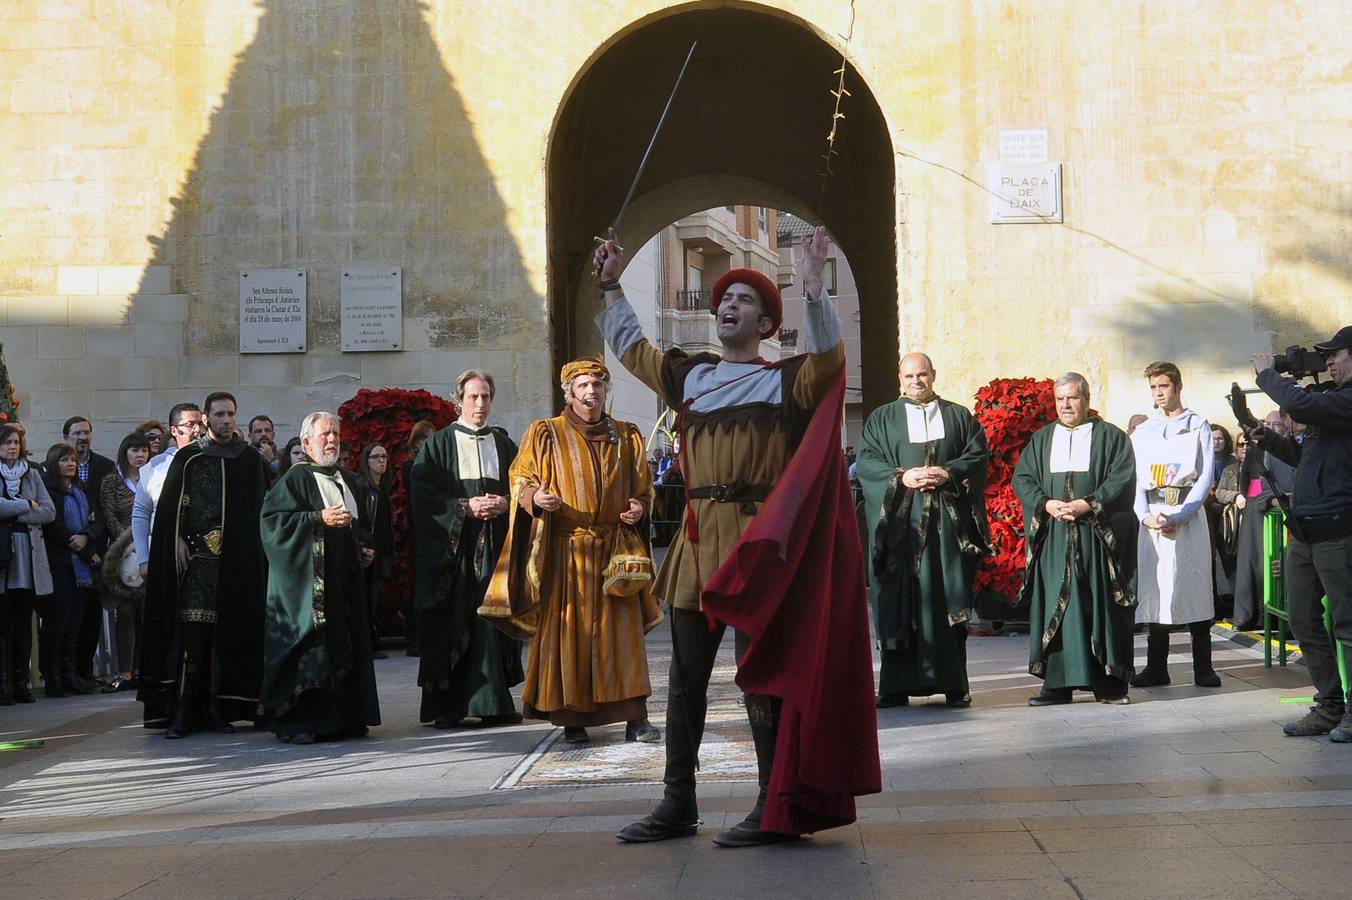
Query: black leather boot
23	687
1156	671
5	698
70	652
763	713
182	722
53	650
1203	674
677	815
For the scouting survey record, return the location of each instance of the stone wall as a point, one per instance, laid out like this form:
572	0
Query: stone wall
151	150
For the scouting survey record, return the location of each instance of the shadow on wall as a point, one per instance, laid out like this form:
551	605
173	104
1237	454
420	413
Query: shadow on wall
341	140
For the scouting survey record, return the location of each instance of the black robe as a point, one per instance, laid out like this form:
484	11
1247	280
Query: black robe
237	635
467	666
317	671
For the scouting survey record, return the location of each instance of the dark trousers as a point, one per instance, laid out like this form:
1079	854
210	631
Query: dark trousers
16	629
1312	571
694	650
91	630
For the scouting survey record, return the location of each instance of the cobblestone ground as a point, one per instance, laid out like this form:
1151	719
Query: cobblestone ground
1185	792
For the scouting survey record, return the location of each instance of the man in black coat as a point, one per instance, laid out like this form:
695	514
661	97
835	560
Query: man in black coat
91	469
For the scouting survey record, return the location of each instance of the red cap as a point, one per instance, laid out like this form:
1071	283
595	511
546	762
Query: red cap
769	294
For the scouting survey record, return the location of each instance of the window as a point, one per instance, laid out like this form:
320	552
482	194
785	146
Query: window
829	276
762	219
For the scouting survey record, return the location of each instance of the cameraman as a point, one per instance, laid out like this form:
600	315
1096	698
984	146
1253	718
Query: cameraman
1319	555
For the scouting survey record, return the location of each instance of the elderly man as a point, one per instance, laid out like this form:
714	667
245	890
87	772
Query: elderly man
922	464
1175	456
202	637
318	678
460	506
1076	480
745	427
570	577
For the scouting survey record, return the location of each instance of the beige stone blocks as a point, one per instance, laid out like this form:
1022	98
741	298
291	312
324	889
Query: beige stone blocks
209	371
36	310
61	342
149	372
82	280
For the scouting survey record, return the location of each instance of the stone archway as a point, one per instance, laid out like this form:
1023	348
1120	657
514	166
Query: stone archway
748	127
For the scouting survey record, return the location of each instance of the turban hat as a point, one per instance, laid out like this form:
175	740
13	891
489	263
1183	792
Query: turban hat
769	294
587	365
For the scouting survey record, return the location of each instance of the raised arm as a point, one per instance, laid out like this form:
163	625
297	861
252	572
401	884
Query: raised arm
821	326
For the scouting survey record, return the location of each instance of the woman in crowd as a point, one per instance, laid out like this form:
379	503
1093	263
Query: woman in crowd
116	496
24	508
72	541
156	434
291	454
1223	517
372	470
417	436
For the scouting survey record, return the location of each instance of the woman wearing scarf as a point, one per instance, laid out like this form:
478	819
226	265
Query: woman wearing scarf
123	589
73	542
24	508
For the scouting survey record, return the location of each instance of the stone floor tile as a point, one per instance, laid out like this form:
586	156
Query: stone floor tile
1101	837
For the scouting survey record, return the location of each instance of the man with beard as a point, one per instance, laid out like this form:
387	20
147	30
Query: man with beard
203	630
1076	480
769	546
922	463
318	677
460	503
581	483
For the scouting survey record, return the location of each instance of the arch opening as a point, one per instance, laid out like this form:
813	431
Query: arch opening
747	127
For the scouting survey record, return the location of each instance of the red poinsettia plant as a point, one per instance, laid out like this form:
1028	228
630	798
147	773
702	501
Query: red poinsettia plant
387	416
1010	410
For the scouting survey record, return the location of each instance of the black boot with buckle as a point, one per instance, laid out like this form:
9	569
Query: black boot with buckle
763	713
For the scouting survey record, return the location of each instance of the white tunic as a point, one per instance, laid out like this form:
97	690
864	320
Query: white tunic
1174	572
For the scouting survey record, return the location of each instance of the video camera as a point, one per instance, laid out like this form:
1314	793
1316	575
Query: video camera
1297	362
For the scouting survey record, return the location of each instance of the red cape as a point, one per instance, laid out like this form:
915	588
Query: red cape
794	584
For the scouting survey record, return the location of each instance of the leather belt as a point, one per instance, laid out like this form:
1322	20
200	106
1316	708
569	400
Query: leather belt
1169	496
736	492
208	544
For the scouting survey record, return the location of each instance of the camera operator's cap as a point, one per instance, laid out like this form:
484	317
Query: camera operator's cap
1339	341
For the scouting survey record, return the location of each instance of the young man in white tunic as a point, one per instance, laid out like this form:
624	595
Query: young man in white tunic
1174	461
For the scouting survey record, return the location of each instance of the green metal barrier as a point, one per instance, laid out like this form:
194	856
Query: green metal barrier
1274	596
1274	587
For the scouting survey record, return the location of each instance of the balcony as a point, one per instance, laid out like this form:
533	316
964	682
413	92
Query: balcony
690	300
713	236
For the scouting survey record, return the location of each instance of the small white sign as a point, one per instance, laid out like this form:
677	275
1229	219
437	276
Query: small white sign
271	310
1023	194
372	308
1023	145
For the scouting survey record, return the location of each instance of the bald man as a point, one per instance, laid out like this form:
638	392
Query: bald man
922	464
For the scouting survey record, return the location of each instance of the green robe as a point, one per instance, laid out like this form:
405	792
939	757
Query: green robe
317	671
1081	577
925	546
467	667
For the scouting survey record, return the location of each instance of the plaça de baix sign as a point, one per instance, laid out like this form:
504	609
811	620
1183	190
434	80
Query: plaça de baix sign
1022	194
272	311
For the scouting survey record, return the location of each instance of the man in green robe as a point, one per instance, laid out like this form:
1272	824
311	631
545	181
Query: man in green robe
460	494
922	464
1076	480
318	678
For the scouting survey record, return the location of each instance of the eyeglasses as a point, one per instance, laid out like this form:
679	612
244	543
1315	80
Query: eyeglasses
379	456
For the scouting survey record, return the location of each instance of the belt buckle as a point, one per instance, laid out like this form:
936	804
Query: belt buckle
720	493
213	540
1171	495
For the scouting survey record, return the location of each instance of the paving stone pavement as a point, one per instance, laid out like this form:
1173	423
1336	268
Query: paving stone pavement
1183	793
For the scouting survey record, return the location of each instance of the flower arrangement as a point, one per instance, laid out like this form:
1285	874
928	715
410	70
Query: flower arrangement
387	416
1010	410
9	397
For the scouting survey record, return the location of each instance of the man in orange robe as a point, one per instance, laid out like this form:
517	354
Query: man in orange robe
572	578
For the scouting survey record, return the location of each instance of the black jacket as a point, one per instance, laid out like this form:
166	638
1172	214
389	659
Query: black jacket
57	536
1323	460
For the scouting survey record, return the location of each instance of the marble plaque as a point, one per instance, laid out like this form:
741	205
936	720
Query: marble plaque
1024	194
272	311
372	308
1023	145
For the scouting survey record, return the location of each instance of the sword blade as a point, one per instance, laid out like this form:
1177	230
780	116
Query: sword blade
643	164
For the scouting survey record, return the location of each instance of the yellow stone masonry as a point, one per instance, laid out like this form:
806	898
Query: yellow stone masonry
149	150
